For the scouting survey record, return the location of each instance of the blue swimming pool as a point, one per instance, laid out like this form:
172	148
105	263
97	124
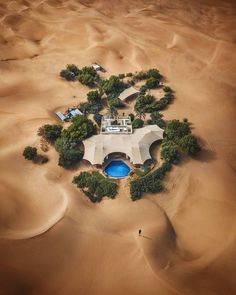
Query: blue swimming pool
117	169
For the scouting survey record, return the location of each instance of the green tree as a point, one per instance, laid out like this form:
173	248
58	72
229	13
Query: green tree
176	129
170	151
113	85
30	153
80	129
152	83
51	132
68	75
70	158
94	97
88	76
156	119
137	123
189	144
154	73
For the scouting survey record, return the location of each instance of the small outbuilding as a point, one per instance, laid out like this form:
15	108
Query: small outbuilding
61	116
130	92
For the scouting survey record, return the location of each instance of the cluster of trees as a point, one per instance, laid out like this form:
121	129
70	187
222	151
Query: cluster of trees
50	132
179	139
150	183
95	185
152	73
148	104
67	144
87	75
93	104
112	87
156	119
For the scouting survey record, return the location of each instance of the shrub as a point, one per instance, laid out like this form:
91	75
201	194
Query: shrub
69	158
74	69
121	76
113	86
170	152
156	119
116	103
152	83
30	153
88	76
143	89
167	89
94	97
176	129
189	144
90	108
154	73
81	180
149	183
62	144
143	103
137	123
51	132
141	76
129	75
97	185
97	118
68	75
80	129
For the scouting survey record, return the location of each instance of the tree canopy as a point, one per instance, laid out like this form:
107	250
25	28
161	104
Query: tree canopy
30	153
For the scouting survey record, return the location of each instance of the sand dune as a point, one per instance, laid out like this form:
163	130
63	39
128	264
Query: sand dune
53	240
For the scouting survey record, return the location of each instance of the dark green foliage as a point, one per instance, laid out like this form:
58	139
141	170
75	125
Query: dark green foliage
97	185
89	108
97	118
68	75
152	83
167	89
156	119
69	158
154	73
170	151
129	75
137	123
30	153
116	103
150	183
94	97
141	76
51	132
176	129
63	144
74	69
112	86
80	129
189	144
88	76
81	180
143	89
143	103
132	117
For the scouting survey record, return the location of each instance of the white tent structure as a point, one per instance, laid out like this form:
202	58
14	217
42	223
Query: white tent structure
136	145
127	93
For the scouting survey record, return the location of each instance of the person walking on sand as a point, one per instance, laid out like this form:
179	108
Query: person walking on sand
139	232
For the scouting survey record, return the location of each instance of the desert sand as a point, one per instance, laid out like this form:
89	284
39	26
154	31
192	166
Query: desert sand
53	240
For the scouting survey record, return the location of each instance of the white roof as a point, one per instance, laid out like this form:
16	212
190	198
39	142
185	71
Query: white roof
76	112
135	145
61	116
128	92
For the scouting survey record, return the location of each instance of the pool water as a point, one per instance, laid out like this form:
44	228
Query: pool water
117	169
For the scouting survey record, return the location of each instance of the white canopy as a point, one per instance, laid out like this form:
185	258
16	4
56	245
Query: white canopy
128	93
135	145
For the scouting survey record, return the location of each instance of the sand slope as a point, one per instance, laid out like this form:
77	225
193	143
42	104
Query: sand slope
188	243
